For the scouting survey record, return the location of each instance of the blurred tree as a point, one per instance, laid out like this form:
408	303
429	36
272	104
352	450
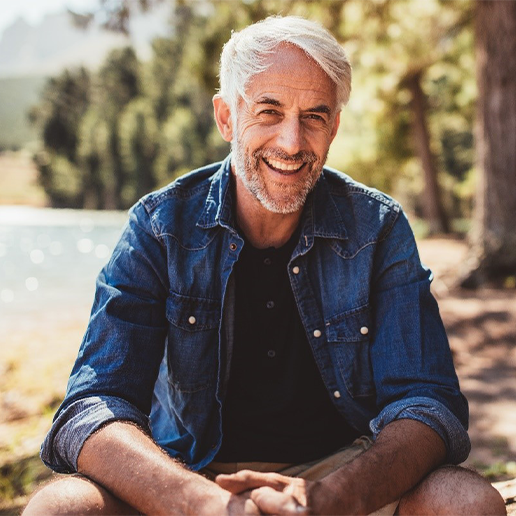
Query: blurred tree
116	85
399	49
494	238
64	101
138	136
395	47
169	66
406	55
97	182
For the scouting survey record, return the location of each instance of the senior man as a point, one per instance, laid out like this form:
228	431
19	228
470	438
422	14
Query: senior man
263	338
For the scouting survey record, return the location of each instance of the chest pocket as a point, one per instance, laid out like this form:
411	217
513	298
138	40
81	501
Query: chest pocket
348	335
193	342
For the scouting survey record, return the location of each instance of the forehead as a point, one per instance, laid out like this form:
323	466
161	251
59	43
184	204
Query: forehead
292	74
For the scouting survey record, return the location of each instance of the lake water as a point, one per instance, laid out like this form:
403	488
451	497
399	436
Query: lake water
49	258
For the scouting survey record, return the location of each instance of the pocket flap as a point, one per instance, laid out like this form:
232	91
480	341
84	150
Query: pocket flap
350	326
193	313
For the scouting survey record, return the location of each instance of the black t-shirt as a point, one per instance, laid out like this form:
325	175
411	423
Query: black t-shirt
277	408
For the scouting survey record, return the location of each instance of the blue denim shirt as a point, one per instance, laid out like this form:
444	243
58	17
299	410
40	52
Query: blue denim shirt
158	346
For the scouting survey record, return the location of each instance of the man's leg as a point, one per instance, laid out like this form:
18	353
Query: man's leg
452	490
75	495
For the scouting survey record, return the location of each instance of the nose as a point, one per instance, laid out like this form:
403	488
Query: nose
291	138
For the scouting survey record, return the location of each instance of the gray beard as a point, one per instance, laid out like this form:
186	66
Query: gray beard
292	197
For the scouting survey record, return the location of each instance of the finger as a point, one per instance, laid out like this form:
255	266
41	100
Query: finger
244	480
240	505
270	501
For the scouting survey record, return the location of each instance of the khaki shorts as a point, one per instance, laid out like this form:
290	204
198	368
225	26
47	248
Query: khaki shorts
314	470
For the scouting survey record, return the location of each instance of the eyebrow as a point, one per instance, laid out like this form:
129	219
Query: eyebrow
321	108
271	102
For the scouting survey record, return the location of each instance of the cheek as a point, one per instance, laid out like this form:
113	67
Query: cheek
254	134
320	144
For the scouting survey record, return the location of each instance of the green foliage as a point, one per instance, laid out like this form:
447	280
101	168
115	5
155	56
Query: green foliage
18	478
118	81
139	125
138	134
60	178
498	470
93	156
64	101
111	137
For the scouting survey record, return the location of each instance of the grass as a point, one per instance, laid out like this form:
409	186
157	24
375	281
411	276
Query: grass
498	471
18	180
34	363
18	479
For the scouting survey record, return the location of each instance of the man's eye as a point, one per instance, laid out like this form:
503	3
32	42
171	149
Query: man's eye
269	112
314	116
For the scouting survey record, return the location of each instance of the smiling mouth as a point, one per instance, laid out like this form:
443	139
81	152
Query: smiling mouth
284	168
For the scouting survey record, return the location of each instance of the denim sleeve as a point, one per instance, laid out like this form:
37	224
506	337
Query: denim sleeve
118	361
419	382
73	425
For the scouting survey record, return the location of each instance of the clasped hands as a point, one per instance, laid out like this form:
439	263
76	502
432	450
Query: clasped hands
273	493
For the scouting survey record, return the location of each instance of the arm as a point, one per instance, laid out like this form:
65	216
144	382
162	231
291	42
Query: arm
113	380
403	454
118	361
413	368
128	463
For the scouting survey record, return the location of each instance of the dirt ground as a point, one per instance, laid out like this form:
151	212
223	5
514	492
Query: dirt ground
481	326
37	353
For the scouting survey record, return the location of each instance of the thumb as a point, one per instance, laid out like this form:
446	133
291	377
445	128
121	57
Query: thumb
270	501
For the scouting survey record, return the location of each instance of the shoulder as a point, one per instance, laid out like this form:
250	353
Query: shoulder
364	210
342	185
181	202
194	184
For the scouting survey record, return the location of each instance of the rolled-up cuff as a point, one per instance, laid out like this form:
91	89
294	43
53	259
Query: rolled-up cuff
63	443
434	414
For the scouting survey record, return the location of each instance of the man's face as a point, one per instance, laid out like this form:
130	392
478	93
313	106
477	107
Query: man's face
285	130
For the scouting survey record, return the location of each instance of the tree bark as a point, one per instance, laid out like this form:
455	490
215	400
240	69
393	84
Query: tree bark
493	250
432	204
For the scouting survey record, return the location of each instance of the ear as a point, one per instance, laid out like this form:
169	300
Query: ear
223	118
335	127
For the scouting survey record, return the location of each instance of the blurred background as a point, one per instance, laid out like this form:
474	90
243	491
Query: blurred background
102	101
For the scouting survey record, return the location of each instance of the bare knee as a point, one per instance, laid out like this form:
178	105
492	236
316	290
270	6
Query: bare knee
75	495
453	490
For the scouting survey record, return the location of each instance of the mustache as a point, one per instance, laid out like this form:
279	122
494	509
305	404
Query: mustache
305	156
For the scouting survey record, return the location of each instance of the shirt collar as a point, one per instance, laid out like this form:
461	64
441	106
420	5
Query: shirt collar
218	208
321	216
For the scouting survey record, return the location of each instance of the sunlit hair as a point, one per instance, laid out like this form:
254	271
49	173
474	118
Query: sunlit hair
244	55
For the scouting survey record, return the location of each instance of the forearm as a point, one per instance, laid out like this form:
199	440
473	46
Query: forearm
123	459
404	453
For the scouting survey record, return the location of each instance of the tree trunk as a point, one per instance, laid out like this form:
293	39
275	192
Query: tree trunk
493	251
432	204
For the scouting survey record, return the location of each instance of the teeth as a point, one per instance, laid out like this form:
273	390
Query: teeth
284	166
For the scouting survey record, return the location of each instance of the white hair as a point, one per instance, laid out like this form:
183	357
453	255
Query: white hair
244	55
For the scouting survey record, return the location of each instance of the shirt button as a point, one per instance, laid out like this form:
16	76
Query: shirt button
233	246
336	394
270	304
364	330
271	353
267	261
317	333
192	319
295	270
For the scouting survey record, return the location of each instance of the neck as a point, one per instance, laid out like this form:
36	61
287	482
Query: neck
263	228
